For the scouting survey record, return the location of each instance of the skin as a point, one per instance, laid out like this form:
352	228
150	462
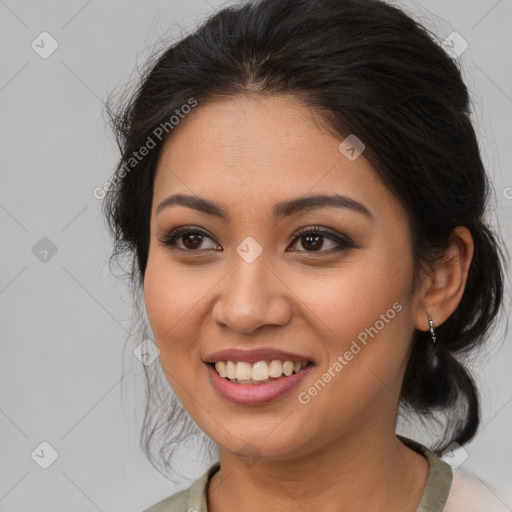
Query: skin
246	154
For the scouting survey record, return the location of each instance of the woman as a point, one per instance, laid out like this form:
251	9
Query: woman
301	190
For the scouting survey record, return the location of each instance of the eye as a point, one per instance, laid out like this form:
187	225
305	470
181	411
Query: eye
313	240
186	239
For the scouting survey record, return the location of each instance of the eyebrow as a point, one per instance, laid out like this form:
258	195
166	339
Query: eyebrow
280	210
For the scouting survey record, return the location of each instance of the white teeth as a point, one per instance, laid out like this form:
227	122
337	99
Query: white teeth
261	371
288	368
220	366
230	369
275	368
243	371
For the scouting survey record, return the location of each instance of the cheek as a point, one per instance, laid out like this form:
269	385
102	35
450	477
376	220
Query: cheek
344	303
173	301
172	294
362	313
170	306
363	322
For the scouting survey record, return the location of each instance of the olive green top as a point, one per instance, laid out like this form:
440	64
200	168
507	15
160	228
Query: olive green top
434	496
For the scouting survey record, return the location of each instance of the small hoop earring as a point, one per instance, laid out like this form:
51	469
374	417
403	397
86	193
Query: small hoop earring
432	330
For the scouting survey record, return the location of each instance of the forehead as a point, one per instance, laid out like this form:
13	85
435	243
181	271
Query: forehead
258	148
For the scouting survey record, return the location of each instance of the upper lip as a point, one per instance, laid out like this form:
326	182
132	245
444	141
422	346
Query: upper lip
254	355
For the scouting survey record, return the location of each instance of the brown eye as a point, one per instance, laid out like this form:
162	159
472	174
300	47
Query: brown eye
313	240
187	239
192	240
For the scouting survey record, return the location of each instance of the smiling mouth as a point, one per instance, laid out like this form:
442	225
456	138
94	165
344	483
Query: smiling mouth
261	372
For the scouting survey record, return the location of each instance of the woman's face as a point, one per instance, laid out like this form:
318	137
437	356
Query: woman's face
339	299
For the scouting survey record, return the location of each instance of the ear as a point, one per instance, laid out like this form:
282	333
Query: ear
442	290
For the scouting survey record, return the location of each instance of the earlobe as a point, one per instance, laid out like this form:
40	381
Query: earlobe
443	290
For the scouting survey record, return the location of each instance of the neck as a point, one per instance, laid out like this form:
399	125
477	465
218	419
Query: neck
359	473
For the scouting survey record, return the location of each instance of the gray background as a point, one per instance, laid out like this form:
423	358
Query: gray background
65	318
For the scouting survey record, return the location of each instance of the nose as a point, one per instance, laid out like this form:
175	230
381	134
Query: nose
251	296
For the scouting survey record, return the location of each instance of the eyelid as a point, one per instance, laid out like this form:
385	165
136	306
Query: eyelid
169	239
321	231
342	241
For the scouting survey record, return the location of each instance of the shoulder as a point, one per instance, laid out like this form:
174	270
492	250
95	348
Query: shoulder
175	503
454	490
469	494
187	500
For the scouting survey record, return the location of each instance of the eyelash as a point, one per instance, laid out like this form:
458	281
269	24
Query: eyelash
169	240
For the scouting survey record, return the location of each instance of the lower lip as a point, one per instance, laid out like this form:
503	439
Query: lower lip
255	394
